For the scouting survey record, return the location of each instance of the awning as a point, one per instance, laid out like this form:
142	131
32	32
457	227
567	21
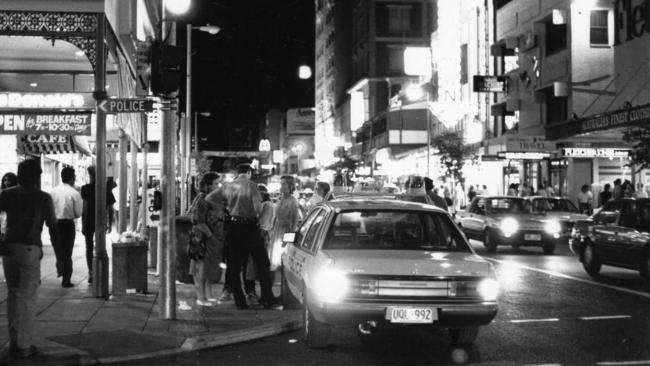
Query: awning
52	144
633	116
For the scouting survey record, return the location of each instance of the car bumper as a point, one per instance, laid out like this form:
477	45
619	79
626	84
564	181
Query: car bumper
448	314
525	238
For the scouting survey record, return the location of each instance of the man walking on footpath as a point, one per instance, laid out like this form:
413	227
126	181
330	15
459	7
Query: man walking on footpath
243	236
68	206
88	217
27	207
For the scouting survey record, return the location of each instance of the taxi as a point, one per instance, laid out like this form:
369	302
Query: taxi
379	262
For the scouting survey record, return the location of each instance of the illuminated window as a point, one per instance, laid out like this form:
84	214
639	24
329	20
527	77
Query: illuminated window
399	18
598	32
556	35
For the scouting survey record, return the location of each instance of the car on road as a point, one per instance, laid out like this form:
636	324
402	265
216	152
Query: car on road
370	263
507	220
560	209
618	235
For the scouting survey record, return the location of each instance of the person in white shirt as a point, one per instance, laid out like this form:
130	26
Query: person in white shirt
585	200
322	190
68	206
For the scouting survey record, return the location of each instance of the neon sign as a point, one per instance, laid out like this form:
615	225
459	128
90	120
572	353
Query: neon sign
46	101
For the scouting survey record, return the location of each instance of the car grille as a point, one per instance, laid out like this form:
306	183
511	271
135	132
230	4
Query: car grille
413	288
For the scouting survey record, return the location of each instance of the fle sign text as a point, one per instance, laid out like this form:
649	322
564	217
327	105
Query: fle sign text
126	105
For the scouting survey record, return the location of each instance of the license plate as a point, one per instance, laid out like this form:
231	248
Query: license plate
533	237
411	315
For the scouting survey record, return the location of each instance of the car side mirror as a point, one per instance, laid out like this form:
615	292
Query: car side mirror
288	238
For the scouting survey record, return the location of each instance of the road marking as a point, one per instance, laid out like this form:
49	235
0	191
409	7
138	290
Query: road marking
562	275
534	320
605	317
622	363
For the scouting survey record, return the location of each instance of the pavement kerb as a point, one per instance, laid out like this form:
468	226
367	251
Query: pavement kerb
192	344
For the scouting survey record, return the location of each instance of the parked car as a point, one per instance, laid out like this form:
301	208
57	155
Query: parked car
375	262
506	220
560	209
618	235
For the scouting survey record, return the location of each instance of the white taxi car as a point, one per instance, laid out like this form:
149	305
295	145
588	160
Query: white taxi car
369	263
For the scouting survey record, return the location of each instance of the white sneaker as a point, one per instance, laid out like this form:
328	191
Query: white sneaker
203	303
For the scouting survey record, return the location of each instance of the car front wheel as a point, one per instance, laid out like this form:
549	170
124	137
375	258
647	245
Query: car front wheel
465	335
489	241
590	260
316	333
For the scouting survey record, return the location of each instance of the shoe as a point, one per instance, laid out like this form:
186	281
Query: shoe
67	284
23	352
268	304
225	296
203	303
252	297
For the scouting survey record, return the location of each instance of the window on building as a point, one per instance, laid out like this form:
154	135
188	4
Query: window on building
556	107
598	32
556	37
399	18
395	59
463	64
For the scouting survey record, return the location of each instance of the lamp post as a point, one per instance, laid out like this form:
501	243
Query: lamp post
185	128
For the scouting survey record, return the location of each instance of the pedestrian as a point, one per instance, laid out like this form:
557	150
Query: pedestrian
585	200
244	202
287	216
512	190
471	193
68	206
265	225
627	189
88	217
433	193
618	189
541	191
606	194
208	237
9	180
27	209
322	190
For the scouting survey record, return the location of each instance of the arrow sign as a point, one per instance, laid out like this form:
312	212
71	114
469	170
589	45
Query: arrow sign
126	105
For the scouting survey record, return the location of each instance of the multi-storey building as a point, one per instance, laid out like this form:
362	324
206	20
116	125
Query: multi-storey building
559	59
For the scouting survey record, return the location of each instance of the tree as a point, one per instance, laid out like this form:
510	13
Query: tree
640	155
453	153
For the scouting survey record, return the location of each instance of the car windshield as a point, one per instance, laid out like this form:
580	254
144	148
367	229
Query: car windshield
553	205
395	230
509	205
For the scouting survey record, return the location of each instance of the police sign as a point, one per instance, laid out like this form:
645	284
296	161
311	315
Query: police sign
126	105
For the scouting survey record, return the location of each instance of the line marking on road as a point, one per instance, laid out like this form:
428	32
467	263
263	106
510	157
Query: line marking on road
605	317
534	320
622	363
562	275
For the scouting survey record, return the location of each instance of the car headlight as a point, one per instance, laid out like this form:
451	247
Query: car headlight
553	227
331	285
488	289
509	226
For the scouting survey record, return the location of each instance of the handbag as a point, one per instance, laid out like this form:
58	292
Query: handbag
197	247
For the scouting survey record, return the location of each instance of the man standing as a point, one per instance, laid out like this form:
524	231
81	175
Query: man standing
322	189
243	236
68	206
88	217
27	207
437	200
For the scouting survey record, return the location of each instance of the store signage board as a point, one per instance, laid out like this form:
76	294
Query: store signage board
590	152
523	155
129	105
17	101
635	116
45	123
490	84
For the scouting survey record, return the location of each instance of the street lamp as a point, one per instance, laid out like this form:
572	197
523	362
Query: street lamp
185	127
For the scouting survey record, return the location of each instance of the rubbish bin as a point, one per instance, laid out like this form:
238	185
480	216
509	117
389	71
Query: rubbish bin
129	267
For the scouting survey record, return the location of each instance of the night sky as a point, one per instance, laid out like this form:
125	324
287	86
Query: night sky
251	65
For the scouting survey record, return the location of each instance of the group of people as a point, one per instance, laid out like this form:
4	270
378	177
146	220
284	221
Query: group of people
621	189
237	223
25	208
526	190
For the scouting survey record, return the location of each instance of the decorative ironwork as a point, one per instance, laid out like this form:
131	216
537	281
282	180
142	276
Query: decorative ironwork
87	45
25	22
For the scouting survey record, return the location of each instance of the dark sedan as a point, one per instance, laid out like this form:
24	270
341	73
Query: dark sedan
618	235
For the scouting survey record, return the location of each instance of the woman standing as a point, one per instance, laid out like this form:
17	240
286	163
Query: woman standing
287	216
208	234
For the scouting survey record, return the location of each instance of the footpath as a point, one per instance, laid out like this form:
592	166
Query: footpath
74	328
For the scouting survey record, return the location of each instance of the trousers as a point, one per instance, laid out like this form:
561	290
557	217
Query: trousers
22	268
243	239
63	242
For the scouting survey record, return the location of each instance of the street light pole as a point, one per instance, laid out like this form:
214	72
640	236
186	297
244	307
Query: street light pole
428	132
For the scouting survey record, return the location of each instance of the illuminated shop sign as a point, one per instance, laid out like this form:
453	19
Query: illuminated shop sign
630	21
45	123
487	83
589	152
559	163
46	101
523	155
